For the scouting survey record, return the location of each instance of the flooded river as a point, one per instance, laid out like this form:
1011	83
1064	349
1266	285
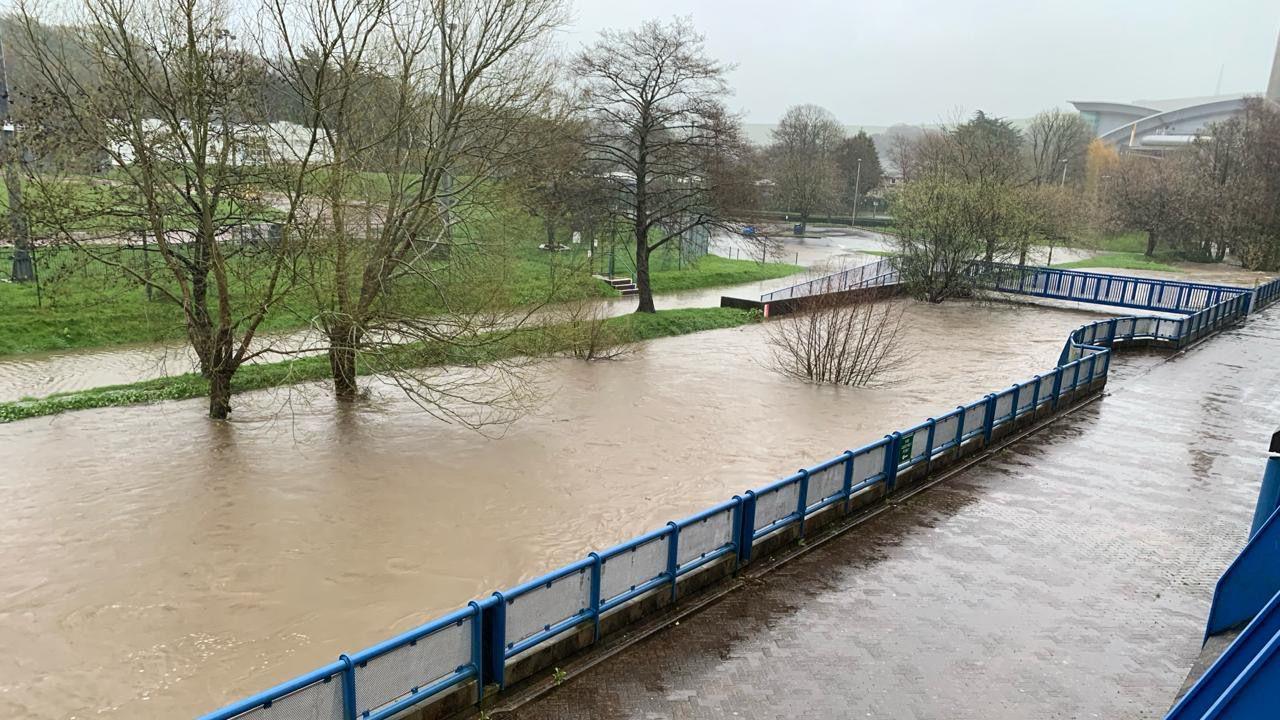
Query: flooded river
156	565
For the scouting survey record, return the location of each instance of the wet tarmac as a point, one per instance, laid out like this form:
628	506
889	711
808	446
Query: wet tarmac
154	564
1068	577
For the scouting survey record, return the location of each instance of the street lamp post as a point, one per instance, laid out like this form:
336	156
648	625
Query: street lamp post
857	182
23	253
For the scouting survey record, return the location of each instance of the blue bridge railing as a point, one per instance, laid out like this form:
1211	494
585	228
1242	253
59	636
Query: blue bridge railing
1241	682
476	643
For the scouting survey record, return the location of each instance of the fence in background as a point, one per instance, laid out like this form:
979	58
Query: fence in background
881	272
479	643
1095	288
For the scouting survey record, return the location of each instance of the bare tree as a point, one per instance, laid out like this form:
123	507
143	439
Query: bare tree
840	341
804	160
1151	194
419	104
653	96
1056	143
584	330
164	94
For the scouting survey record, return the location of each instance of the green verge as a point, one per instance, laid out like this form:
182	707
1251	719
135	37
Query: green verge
714	271
86	307
1120	261
529	342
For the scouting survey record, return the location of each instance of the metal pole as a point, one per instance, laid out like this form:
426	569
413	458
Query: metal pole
1063	183
857	182
23	260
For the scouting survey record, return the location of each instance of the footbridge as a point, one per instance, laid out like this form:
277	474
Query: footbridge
1057	573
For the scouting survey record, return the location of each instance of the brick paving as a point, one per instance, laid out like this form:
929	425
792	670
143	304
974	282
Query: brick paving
1068	577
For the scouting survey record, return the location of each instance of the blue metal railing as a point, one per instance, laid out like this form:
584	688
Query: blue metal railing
881	272
1073	285
474	644
1240	683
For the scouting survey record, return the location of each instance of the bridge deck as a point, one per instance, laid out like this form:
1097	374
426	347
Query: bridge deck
1069	577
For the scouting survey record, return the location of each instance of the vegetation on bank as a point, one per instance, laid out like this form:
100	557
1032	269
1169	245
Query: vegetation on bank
1120	261
89	305
536	342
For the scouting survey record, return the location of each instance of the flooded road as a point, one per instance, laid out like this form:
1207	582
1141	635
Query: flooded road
154	564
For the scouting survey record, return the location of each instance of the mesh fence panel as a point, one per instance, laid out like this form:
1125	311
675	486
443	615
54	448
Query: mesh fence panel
868	465
637	566
1045	392
390	677
1026	395
320	701
1004	406
540	608
706	535
777	504
974	418
826	484
945	431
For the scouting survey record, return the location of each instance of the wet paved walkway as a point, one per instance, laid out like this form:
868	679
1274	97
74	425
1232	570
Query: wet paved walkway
1069	577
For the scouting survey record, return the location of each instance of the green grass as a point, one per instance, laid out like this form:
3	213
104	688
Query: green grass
534	341
713	270
89	305
1123	242
1120	261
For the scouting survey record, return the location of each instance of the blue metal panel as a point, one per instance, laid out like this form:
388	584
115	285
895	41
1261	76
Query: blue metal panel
1231	666
1249	582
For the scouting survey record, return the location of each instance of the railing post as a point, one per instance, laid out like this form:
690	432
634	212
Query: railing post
597	567
1057	387
988	423
493	611
891	461
673	558
1035	398
746	526
348	688
802	499
928	446
477	647
848	479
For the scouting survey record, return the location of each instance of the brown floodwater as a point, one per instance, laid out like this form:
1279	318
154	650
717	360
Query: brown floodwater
156	564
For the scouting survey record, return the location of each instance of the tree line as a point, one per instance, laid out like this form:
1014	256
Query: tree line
368	135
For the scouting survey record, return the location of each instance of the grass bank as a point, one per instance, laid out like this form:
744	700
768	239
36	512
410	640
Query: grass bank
531	342
1120	261
88	305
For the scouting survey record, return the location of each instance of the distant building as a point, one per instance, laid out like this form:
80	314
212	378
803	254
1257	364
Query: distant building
277	142
1153	125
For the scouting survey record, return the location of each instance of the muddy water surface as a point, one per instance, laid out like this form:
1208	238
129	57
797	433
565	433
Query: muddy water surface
155	564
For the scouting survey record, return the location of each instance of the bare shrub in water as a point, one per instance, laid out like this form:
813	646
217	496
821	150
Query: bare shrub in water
583	331
850	342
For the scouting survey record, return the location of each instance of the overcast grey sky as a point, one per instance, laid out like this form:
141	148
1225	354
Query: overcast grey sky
918	61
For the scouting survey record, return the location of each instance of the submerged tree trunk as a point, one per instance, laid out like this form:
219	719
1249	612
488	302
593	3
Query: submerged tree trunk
642	277
342	363
220	393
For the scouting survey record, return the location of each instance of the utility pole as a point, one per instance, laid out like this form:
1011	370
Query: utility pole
23	263
857	183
